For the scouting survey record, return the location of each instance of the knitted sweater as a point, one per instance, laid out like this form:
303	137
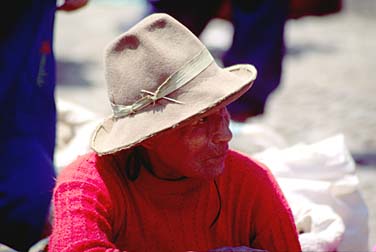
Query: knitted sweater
97	209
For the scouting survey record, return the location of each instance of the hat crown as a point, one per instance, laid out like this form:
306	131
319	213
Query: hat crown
146	55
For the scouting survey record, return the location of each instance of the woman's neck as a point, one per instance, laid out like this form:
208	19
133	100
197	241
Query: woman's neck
162	171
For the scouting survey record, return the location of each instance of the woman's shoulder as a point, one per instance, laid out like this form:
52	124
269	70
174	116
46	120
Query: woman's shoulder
242	165
244	162
85	167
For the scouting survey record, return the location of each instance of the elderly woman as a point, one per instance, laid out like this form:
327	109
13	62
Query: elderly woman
161	176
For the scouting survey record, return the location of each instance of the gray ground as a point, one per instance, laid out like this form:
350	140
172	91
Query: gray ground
327	88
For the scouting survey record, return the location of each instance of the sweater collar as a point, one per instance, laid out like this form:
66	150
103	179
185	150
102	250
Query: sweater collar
148	182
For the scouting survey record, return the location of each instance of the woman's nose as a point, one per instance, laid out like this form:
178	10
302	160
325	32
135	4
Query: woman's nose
222	131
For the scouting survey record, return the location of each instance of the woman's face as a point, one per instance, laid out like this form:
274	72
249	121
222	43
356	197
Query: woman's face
197	150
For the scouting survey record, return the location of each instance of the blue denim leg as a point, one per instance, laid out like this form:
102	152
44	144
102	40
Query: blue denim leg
26	184
258	40
27	123
193	14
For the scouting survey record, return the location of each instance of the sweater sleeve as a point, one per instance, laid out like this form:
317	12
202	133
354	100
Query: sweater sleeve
83	211
274	227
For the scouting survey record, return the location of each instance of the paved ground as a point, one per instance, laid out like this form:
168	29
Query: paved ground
328	83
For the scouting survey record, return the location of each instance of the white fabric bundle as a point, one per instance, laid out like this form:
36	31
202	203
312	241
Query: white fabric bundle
321	186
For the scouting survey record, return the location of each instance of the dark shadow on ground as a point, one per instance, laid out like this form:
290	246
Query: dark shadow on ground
365	159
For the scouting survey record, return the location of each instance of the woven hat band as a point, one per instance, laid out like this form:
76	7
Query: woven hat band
182	76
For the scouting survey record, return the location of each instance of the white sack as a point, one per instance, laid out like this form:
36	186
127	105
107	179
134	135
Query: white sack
324	175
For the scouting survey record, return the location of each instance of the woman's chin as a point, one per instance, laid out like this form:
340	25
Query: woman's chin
210	172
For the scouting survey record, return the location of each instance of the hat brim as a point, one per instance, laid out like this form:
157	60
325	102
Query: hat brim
213	88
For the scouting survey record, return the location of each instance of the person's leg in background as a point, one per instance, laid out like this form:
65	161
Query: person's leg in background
193	14
27	122
258	40
26	186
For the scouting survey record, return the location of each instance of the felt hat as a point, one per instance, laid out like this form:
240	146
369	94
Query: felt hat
160	75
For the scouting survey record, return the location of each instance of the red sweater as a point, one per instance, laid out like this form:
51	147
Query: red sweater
98	209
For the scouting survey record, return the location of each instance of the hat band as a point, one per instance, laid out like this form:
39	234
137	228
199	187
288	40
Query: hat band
175	81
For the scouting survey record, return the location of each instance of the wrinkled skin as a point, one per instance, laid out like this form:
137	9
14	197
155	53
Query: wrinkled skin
197	150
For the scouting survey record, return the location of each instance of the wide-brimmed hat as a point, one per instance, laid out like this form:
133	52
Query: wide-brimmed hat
159	75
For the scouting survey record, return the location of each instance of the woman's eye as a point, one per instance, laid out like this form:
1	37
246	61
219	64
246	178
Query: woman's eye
201	121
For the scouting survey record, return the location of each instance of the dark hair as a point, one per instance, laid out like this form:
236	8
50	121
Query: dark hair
137	157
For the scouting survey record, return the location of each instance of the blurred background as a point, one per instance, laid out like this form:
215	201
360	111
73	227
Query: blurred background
328	81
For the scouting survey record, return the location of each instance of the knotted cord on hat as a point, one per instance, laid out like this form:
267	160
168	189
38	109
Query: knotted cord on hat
182	76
